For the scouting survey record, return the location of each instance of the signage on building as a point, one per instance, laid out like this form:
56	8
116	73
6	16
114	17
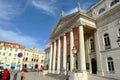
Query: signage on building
20	55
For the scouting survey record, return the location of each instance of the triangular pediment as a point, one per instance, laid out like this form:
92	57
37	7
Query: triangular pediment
62	21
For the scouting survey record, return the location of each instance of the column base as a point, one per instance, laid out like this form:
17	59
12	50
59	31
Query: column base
58	71
100	73
50	71
78	76
53	71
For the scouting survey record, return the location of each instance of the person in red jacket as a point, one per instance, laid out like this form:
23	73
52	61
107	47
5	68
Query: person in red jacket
6	75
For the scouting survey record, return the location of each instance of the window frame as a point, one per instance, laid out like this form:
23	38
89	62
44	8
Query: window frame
114	2
107	41
110	65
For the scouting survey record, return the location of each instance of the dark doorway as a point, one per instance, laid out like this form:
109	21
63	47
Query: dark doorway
25	65
68	62
94	66
36	66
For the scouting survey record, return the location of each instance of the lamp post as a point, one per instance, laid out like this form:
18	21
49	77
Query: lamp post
5	61
74	51
118	41
19	64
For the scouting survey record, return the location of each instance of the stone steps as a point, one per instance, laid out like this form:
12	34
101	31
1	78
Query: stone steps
58	76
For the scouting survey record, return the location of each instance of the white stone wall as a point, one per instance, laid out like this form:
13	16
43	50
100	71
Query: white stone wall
116	60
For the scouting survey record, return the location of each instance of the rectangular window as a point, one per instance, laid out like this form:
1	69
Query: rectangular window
9	54
5	48
10	49
3	54
92	45
16	50
0	47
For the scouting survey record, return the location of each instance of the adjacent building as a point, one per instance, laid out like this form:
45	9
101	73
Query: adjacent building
83	44
29	58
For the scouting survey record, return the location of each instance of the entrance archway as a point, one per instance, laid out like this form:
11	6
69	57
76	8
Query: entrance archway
94	66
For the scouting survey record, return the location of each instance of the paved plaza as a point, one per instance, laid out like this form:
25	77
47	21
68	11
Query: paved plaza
31	76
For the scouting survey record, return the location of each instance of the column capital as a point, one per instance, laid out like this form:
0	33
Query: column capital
64	34
71	30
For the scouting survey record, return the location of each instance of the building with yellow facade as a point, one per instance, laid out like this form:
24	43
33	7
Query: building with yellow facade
31	58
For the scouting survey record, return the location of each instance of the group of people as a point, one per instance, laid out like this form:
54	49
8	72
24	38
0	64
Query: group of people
5	75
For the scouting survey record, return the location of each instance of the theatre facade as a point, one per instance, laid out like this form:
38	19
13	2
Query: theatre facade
83	44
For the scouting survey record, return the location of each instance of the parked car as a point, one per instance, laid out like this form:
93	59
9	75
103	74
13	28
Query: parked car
30	70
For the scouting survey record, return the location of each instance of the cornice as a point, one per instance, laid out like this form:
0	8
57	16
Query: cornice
110	12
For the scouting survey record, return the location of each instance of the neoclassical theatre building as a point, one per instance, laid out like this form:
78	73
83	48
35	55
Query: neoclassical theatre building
83	44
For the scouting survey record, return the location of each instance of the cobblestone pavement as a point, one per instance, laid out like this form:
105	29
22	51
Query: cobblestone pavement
31	76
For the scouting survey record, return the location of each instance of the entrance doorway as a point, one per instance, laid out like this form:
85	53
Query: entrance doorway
94	66
68	63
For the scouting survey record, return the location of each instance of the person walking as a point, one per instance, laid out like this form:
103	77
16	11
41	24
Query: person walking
22	75
0	75
6	75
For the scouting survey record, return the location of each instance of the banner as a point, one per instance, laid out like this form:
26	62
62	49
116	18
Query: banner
56	49
68	43
61	42
76	38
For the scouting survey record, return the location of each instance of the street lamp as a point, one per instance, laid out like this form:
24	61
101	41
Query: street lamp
118	41
19	64
5	61
74	51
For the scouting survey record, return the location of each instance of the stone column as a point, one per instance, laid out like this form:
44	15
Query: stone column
50	59
82	50
64	55
71	53
54	57
98	54
58	62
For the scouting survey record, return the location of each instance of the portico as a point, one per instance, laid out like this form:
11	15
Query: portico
71	31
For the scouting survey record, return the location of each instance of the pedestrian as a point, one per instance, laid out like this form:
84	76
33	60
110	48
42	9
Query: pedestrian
6	75
22	75
15	76
0	75
41	68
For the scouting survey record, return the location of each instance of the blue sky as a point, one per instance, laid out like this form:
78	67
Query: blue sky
30	22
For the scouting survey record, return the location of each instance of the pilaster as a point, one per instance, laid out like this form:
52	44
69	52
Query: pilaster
98	54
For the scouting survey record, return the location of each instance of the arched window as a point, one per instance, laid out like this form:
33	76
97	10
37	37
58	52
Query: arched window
107	41
101	10
110	64
119	32
114	2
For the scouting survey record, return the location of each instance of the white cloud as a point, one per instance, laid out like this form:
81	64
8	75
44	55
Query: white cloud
7	10
13	36
48	6
73	11
83	8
